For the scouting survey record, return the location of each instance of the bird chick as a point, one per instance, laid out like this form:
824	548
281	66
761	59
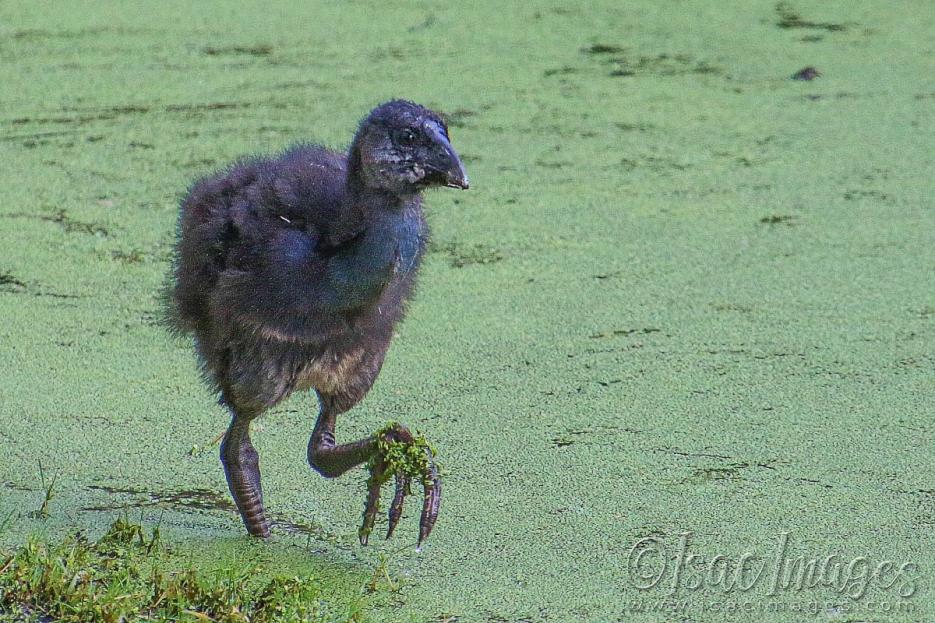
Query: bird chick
291	273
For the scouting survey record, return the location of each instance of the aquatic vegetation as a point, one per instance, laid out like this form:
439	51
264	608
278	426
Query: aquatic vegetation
129	574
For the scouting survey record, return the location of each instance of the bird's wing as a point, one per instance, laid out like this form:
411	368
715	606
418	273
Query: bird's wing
249	240
273	280
304	187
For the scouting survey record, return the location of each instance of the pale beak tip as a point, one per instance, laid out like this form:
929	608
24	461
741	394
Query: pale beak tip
461	183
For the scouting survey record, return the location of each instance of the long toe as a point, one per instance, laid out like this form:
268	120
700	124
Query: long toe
371	506
396	508
430	502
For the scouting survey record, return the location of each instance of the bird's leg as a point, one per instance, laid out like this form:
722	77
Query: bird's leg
242	468
330	460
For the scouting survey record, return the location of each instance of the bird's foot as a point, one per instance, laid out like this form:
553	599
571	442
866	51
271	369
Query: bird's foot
404	456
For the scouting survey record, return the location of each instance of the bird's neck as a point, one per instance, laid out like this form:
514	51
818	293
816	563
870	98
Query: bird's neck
365	206
358	210
375	237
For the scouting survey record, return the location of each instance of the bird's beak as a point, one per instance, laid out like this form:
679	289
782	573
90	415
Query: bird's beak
448	162
457	176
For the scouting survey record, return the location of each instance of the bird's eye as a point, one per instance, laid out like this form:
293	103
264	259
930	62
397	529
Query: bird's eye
406	137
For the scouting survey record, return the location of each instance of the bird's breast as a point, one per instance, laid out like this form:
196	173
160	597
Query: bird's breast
331	371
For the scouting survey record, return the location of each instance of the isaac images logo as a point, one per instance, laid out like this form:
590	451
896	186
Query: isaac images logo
655	563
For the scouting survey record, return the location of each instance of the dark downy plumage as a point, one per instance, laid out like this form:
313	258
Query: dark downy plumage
291	274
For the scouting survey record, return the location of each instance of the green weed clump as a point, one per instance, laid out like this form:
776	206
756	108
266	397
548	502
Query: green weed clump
413	459
125	576
399	457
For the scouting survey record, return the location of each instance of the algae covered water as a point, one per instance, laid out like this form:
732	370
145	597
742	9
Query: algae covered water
674	347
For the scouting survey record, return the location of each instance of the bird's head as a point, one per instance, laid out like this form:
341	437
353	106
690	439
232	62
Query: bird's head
403	148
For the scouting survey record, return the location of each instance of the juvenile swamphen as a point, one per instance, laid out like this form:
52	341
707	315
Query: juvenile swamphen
291	274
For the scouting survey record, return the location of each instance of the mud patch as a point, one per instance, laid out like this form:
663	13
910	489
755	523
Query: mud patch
9	283
39	34
90	115
633	127
778	219
712	474
461	255
591	435
425	24
602	48
560	71
733	307
201	499
661	65
198	499
101	114
623	64
133	256
12	486
730	469
458	118
788	18
623	333
806	73
35	139
653	163
875	195
239	50
68	224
